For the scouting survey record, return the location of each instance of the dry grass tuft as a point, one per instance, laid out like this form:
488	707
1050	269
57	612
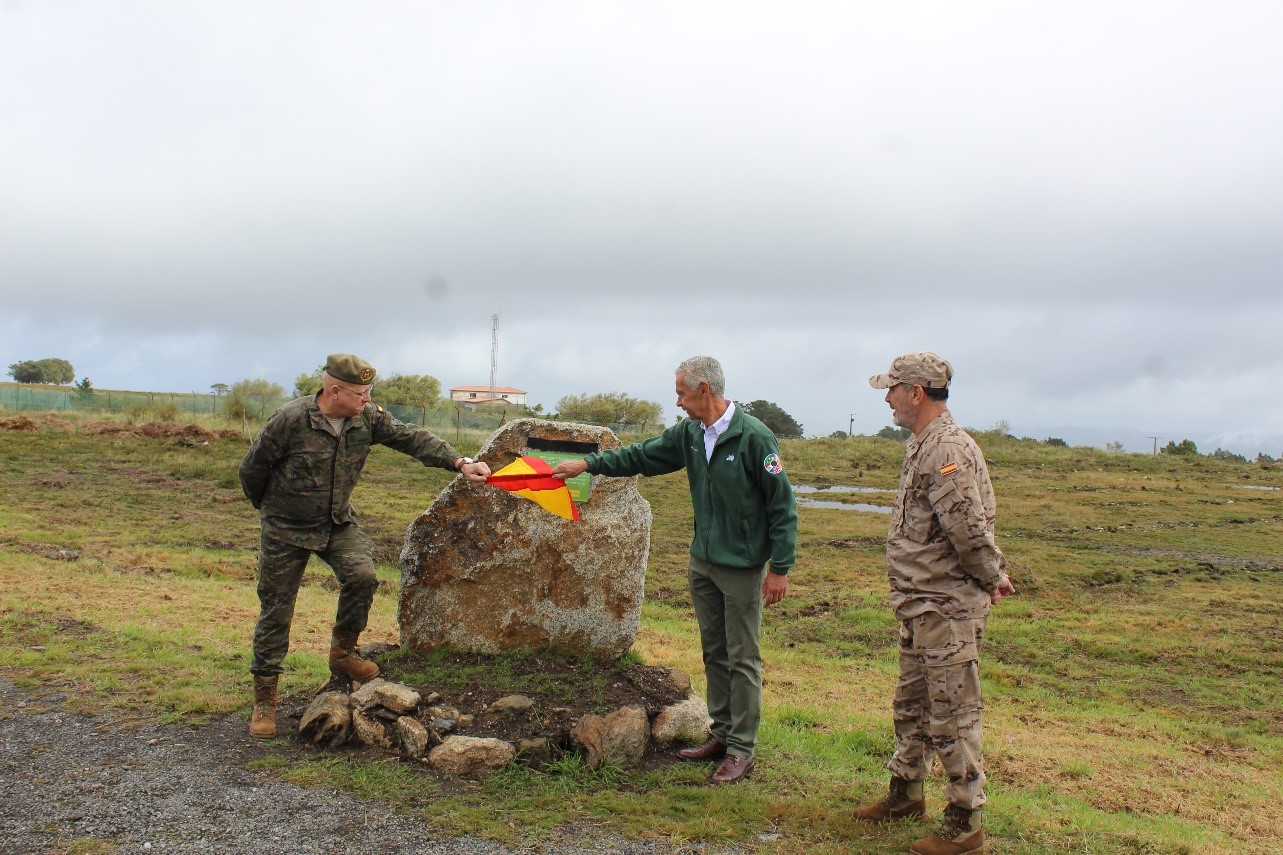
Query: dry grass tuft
19	423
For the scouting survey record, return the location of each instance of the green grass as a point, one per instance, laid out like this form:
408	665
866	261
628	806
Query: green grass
1133	700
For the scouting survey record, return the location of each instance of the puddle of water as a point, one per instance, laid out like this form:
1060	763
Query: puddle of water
838	488
1240	486
804	502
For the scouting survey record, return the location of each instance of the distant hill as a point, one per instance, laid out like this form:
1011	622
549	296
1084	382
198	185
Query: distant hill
1246	443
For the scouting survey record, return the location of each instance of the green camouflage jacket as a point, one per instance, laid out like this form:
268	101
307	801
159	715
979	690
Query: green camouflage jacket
300	475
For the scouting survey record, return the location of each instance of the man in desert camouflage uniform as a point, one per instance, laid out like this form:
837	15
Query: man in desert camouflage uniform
945	572
300	472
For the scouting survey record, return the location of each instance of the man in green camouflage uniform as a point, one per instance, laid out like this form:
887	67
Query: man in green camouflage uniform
945	572
299	473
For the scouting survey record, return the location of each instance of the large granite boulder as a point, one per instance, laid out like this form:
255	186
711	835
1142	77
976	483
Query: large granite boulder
487	571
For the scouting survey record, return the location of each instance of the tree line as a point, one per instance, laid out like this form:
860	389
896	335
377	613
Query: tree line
56	372
256	398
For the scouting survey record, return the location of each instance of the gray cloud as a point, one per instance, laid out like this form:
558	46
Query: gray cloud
1075	204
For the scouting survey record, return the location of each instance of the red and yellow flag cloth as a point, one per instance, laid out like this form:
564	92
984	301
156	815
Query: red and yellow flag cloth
531	477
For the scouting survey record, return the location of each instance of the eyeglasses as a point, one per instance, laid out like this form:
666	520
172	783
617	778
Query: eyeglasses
365	394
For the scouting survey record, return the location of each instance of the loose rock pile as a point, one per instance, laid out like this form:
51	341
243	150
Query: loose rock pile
397	718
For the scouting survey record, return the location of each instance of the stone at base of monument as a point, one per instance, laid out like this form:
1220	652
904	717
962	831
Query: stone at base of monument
620	738
685	721
620	713
487	571
471	756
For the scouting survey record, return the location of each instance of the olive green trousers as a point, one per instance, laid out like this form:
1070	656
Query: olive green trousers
728	607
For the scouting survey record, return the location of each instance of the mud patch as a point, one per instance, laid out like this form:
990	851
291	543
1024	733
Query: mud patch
1200	568
52	551
855	543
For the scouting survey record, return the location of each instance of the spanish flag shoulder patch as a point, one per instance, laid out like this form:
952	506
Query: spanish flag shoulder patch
948	469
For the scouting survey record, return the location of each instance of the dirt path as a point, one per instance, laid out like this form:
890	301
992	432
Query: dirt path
86	784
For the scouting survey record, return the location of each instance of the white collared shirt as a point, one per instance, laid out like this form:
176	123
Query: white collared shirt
716	429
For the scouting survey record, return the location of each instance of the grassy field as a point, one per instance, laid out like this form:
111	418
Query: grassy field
1132	686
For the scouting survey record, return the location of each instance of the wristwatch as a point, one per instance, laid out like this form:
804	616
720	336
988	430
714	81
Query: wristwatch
463	461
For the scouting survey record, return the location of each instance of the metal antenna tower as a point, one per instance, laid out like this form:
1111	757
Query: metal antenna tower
494	352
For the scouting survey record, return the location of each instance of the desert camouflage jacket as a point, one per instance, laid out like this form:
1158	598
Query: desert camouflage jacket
300	475
941	554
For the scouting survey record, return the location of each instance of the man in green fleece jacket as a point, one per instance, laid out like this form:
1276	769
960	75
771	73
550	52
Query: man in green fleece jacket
742	550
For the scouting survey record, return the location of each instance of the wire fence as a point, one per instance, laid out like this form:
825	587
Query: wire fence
22	397
171	405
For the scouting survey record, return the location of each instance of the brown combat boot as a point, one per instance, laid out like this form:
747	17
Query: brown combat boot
903	798
262	725
346	662
961	833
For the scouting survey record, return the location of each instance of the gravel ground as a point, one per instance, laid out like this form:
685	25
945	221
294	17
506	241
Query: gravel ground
69	781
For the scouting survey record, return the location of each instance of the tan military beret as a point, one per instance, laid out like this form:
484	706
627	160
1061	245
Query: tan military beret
918	369
349	369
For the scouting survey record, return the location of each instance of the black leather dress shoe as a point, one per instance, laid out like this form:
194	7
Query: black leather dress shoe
732	769
710	750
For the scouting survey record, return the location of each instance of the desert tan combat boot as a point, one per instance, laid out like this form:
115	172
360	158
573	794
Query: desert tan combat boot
262	725
903	798
346	662
959	834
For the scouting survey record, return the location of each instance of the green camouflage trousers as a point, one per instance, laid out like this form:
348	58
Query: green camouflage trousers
280	571
937	707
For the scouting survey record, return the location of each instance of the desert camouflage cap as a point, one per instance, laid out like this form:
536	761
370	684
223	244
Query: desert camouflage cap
919	369
349	369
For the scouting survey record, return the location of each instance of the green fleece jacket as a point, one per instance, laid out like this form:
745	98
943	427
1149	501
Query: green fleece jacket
744	509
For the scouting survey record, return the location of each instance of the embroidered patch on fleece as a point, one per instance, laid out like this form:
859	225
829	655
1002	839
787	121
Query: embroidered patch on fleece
948	469
773	464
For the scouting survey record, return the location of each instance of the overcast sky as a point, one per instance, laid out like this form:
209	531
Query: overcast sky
1079	204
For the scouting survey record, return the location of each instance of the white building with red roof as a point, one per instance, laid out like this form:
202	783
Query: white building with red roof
487	396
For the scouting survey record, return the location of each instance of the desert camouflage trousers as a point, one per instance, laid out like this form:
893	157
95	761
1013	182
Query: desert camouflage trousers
938	707
280	572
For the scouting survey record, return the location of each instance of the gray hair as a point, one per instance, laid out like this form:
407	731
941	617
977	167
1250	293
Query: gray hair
704	369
